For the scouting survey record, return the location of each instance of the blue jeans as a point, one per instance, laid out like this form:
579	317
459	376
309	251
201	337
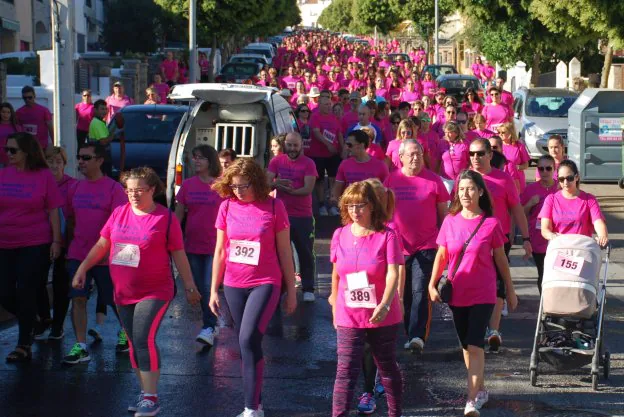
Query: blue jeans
101	275
201	266
416	299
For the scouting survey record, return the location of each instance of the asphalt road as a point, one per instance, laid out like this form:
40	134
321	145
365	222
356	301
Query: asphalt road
301	360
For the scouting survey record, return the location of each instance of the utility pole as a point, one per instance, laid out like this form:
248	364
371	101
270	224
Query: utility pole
193	41
63	50
436	57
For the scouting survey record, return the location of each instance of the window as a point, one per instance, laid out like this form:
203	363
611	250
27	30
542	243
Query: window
151	127
9	1
87	3
556	106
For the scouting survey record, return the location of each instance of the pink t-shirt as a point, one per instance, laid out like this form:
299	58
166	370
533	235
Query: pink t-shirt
504	196
26	198
429	88
572	216
329	126
476	70
472	108
5	131
115	104
350	170
417	200
392	151
285	168
410	96
517	154
65	184
475	280
349	119
91	203
371	254
150	245
34	120
257	223
202	204
485	134
455	158
168	68
163	91
495	115
375	151
538	242
290	82
84	114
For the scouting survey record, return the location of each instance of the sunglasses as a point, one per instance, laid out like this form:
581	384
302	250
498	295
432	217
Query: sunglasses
542	169
451	112
569	178
480	154
84	157
11	150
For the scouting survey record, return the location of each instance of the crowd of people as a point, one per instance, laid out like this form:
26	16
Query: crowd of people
421	184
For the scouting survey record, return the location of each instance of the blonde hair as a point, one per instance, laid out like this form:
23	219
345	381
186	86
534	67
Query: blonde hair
511	129
406	125
370	132
52	151
385	196
454	127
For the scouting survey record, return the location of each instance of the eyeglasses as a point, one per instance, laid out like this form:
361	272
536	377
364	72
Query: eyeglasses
11	150
26	98
480	154
84	157
569	178
240	187
542	169
356	207
137	191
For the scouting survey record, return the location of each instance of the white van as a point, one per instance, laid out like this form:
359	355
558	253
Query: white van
238	116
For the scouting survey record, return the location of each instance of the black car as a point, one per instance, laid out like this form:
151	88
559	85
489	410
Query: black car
239	72
456	85
148	131
437	70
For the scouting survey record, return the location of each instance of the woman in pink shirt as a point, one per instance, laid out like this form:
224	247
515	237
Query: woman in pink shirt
409	94
84	115
532	199
454	151
117	101
496	113
161	88
8	125
199	203
140	239
472	104
253	259
515	151
366	256
572	211
480	130
556	149
473	275
31	234
429	85
394	92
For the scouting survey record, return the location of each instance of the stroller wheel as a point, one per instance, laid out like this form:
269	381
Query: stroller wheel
606	365
595	382
533	377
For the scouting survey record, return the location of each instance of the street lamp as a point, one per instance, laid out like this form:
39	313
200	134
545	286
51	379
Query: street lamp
437	34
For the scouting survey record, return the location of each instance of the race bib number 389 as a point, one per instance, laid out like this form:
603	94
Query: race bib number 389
361	298
570	264
244	252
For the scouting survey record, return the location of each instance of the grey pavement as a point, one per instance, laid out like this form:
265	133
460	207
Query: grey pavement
301	361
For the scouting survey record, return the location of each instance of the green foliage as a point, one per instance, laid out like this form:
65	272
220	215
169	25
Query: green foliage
130	25
422	13
337	16
380	13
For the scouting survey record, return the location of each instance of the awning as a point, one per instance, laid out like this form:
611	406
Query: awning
8	24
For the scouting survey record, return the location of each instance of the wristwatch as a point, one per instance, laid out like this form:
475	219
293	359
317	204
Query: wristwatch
387	307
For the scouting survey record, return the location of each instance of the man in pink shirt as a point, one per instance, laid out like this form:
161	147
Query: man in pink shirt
35	118
506	202
293	175
421	198
291	79
90	203
117	101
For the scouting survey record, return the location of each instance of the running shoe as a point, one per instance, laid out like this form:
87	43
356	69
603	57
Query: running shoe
251	413
406	346
323	211
56	334
133	407
95	334
471	410
416	345
494	340
308	297
366	404
379	388
147	408
122	342
207	336
77	354
481	399
333	211
40	329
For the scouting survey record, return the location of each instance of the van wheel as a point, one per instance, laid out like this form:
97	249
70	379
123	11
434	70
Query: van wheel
621	182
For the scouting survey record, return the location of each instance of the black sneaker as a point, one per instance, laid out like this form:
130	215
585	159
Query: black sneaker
56	334
122	342
95	334
77	355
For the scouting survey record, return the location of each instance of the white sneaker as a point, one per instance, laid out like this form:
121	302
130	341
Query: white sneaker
333	211
505	311
323	211
308	297
406	346
471	410
495	340
251	413
207	336
417	344
482	398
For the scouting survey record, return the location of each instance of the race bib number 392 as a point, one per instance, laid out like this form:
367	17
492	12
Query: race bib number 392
244	252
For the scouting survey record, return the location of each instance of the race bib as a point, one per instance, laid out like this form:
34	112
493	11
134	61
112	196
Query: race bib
290	85
495	127
432	91
395	97
361	298
329	136
126	254
569	264
245	252
357	280
32	129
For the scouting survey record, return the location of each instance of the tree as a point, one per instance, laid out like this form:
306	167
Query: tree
572	18
137	17
422	14
379	13
337	16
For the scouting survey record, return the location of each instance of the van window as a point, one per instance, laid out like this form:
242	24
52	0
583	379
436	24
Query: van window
151	127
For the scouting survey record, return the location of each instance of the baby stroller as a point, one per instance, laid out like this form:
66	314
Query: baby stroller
570	322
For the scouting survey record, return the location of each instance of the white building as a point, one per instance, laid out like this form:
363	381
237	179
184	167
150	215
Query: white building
311	10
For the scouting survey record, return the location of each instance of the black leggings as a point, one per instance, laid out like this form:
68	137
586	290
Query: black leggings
24	272
539	263
251	310
370	369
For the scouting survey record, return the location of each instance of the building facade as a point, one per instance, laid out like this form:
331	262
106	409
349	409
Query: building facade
311	10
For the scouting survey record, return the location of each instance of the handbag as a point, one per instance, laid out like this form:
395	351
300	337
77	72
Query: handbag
445	285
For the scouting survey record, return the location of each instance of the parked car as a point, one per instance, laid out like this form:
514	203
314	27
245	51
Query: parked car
249	58
239	73
242	117
148	131
265	49
437	70
395	57
457	84
540	113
